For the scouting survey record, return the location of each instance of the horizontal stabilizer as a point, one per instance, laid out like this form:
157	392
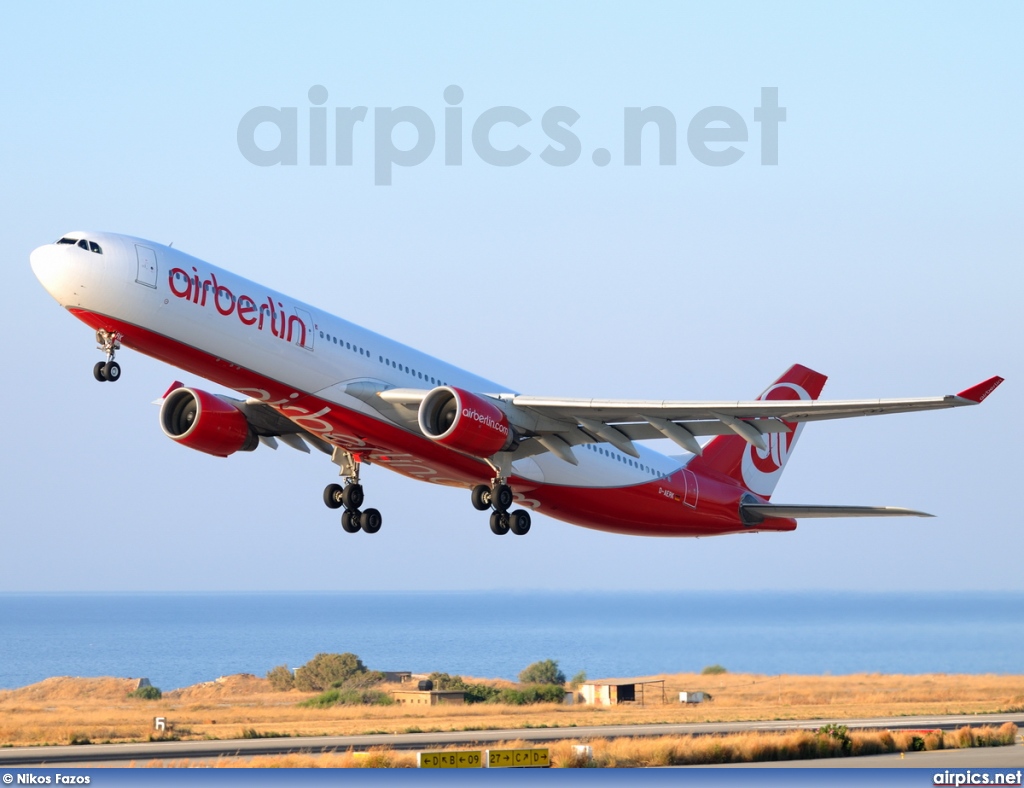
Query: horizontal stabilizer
804	510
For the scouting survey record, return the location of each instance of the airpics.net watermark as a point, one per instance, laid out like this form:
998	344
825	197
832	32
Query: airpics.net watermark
711	126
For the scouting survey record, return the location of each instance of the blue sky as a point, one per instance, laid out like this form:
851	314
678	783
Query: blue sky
883	250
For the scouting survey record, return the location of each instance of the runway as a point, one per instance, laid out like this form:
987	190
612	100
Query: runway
96	754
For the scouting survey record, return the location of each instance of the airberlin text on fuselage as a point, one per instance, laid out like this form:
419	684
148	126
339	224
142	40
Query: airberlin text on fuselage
486	420
190	288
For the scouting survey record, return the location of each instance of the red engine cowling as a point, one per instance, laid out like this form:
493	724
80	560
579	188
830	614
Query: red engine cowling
465	422
205	422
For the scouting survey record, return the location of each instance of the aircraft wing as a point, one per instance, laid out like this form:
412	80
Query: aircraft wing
271	427
788	410
620	421
558	423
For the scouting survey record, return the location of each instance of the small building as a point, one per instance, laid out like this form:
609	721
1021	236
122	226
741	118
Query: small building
611	692
397	676
692	697
429	697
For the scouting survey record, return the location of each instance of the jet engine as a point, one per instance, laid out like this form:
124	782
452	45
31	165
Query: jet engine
206	422
465	422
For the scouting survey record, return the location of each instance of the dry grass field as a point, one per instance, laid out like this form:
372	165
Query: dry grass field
658	751
69	710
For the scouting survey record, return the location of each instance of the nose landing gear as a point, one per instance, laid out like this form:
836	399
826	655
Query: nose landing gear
109	369
350	496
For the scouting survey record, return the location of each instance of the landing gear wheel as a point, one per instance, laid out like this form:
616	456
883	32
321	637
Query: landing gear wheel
350	521
97	371
519	522
500	523
481	497
371	521
352	496
501	497
111	371
333	496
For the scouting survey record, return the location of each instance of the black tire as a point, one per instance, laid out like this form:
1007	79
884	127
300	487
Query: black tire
352	496
499	523
371	521
332	496
519	522
481	497
501	497
97	371
112	371
350	521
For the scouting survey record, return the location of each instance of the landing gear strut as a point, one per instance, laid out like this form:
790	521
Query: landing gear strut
109	369
499	497
350	496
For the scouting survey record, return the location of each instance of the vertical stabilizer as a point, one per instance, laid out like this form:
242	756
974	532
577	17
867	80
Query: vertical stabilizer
756	470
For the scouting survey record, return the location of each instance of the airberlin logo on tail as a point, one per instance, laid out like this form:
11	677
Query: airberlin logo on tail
484	419
762	469
192	287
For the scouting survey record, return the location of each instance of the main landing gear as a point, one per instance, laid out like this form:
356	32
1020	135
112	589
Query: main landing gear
351	496
109	369
498	496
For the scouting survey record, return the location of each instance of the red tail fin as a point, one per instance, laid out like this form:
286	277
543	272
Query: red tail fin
757	471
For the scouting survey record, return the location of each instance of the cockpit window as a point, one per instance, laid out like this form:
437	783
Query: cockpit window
89	246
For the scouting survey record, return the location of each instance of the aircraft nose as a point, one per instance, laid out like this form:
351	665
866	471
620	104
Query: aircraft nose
49	266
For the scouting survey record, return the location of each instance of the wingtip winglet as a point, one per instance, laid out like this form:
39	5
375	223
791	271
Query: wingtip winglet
979	392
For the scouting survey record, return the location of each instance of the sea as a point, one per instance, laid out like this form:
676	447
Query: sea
179	639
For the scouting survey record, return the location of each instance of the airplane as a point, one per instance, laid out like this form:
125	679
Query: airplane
311	380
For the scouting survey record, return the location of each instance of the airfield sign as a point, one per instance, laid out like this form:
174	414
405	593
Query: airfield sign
451	759
497	759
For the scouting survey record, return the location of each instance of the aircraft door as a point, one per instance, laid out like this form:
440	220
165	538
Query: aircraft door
690	480
147	266
304	338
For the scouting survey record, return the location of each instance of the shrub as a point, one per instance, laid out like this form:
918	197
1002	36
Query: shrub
360	680
146	693
281	678
535	693
543	672
474	693
1006	734
579	678
713	670
348	697
484	693
838	734
324	670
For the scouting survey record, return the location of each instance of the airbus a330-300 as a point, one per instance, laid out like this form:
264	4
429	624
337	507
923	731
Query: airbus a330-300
311	380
